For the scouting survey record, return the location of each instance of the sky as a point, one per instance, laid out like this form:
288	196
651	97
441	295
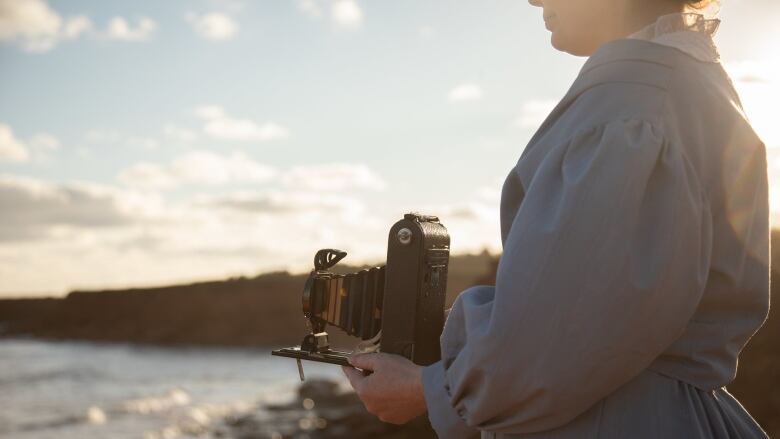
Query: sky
147	142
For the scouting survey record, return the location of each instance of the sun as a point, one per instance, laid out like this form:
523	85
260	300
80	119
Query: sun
758	85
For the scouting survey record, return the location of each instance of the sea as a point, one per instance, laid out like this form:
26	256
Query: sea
79	390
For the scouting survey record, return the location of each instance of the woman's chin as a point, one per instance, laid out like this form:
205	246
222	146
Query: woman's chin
560	42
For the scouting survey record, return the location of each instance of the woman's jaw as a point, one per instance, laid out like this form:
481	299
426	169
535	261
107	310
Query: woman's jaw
580	27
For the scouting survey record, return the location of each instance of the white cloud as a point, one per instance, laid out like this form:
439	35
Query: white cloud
42	146
59	236
45	141
534	112
474	222
347	13
215	26
344	14
148	175
491	193
234	6
104	138
335	176
36	26
179	134
119	29
466	92
310	8
76	26
750	71
11	148
277	202
219	125
37	148
28	18
33	209
197	167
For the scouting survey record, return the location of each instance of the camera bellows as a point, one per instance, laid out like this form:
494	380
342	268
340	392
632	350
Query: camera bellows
352	302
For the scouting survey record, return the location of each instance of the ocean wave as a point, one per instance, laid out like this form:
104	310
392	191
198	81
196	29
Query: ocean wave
25	378
156	404
93	416
173	408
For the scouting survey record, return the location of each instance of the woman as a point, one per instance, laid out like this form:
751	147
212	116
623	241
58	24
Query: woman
636	253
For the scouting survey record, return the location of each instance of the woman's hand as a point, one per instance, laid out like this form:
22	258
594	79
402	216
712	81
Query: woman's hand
393	391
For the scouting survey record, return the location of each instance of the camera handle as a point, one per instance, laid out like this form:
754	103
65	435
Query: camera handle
327	258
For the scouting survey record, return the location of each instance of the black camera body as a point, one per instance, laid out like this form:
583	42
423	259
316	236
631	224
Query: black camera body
397	308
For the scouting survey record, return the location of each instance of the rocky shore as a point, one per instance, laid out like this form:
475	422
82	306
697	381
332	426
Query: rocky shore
265	312
321	410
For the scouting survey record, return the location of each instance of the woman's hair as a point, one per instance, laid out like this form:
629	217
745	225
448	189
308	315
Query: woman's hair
697	4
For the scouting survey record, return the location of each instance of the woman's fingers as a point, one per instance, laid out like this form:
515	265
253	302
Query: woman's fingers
394	390
367	362
354	376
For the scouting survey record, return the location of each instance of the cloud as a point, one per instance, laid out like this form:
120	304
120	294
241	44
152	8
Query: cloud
105	138
347	13
215	26
749	71
179	134
76	26
277	202
36	26
344	14
219	125
14	150
45	141
333	177
59	236
119	29
465	92
11	148
43	146
199	168
474	222
33	209
310	8
534	112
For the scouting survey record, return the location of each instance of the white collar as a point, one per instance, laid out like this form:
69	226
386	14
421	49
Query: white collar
686	31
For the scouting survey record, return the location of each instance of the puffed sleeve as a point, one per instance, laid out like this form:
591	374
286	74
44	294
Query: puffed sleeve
604	264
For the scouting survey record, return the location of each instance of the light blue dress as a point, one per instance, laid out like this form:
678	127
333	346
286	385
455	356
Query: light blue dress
635	228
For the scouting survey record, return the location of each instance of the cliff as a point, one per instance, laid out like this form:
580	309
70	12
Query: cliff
243	312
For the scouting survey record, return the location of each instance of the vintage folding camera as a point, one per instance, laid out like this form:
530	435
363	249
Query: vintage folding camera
397	308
